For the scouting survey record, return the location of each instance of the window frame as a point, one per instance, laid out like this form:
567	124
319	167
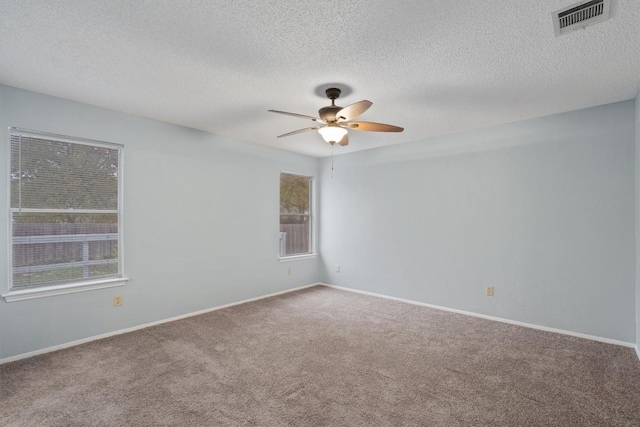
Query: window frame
45	290
312	219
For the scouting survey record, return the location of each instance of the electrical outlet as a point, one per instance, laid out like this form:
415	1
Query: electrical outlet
338	268
117	301
288	272
489	291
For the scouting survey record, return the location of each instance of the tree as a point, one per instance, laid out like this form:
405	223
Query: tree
294	194
50	174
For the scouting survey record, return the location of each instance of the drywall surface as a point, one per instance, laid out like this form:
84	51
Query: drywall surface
201	216
542	210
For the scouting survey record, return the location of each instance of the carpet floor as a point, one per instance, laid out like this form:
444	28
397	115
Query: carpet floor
325	357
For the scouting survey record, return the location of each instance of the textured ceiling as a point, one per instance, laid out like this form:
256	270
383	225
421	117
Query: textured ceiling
434	67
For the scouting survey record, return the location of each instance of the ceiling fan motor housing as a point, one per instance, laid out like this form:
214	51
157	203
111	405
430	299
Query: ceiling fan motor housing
328	114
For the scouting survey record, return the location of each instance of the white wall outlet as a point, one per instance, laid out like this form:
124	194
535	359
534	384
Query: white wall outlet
117	301
489	291
338	268
289	271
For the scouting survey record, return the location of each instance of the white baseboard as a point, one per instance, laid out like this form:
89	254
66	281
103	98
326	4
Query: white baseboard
196	313
496	319
145	325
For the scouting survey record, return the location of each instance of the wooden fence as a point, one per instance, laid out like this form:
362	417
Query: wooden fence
294	239
40	248
46	247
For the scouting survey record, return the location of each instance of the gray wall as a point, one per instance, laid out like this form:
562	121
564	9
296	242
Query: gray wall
200	223
543	210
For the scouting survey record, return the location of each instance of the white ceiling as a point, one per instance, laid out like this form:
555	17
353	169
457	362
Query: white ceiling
433	67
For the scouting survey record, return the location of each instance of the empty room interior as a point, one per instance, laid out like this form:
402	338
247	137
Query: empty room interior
362	213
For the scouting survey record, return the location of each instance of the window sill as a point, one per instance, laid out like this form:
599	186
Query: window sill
296	257
48	291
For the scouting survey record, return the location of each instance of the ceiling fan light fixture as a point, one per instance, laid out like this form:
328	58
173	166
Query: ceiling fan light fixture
332	133
335	121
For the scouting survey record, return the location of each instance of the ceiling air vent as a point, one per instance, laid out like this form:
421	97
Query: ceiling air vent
580	15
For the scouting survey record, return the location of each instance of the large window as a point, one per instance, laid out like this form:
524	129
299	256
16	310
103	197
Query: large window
65	215
295	215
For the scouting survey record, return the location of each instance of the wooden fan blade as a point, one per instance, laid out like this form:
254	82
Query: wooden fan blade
373	127
299	131
352	111
300	116
345	140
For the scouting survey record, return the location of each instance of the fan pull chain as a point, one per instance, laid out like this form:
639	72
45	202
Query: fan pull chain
331	161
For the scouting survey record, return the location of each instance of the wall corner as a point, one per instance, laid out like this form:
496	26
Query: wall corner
637	194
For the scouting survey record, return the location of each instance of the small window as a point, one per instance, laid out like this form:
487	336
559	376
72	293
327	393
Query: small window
295	215
65	201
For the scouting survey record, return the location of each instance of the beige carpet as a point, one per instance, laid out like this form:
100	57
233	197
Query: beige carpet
324	357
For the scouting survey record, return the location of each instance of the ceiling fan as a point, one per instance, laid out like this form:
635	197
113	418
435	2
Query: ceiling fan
335	120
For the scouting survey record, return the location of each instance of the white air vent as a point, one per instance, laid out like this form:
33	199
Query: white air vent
580	15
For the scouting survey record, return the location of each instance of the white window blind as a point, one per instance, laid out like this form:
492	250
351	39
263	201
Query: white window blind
64	209
295	215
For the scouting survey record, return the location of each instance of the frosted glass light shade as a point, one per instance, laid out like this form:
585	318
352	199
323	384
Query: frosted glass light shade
332	132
